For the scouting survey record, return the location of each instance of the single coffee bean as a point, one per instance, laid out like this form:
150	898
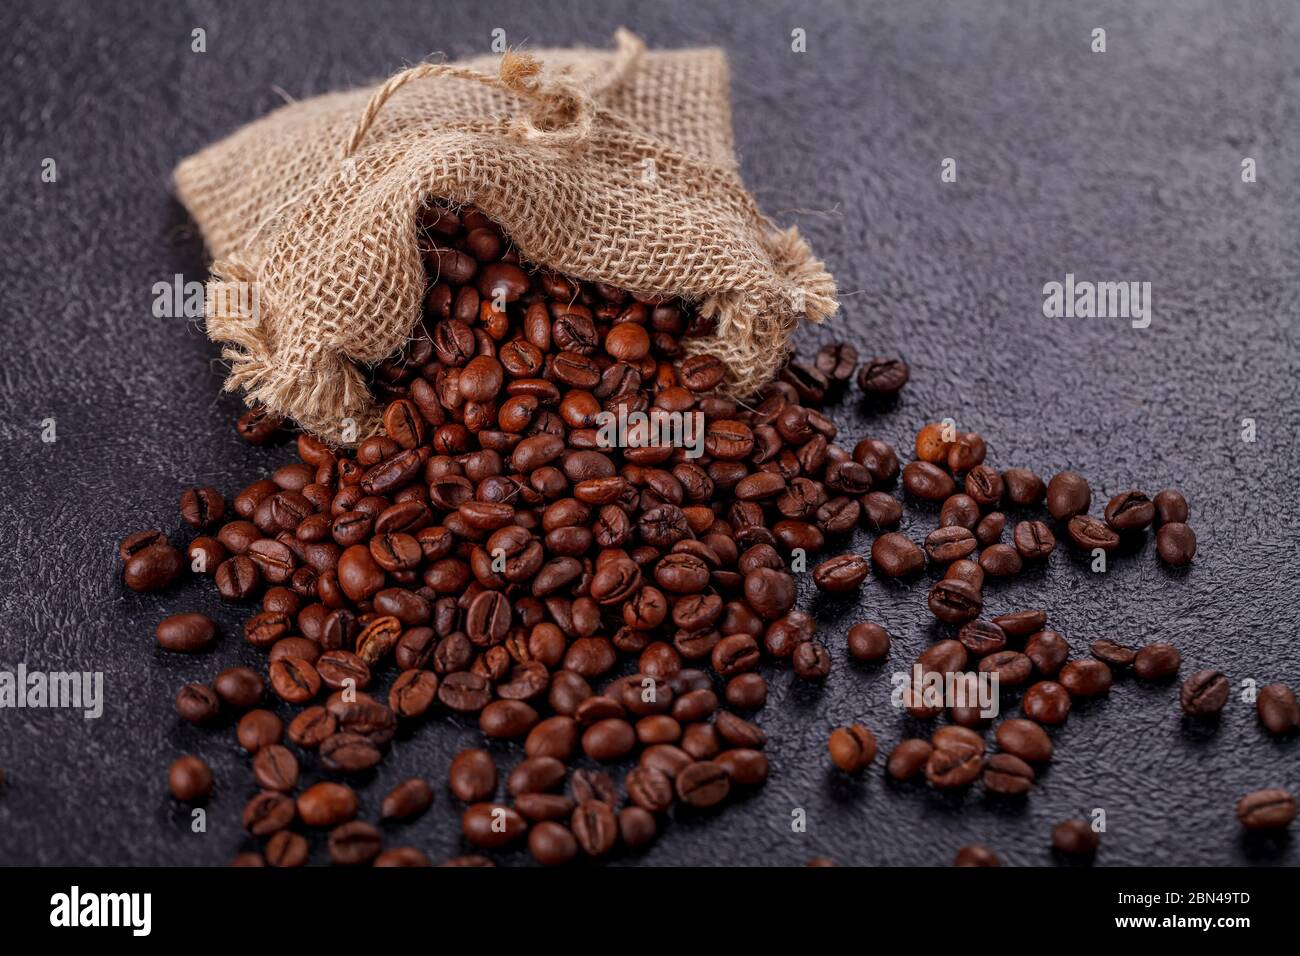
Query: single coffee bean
927	481
465	692
348	753
703	784
268	812
1008	775
202	507
1272	809
868	642
552	844
152	568
968	571
1034	540
1068	495
237	578
1046	702
1075	838
1001	561
1130	511
239	687
883	376
1112	653
1024	739
327	804
982	638
1011	667
1048	651
1089	533
990	528
287	849
294	680
908	759
197	703
594	826
354	843
895	555
984	485
1023	487
1157	661
186	633
956	764
1176	544
275	768
1171	507
1277	708
949	544
852	748
841	574
1022	623
811	661
955	602
407	800
190	779
975	854
1204	693
473	776
257	729
310	728
1085	678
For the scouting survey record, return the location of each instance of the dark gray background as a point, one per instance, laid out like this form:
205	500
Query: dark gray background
1123	165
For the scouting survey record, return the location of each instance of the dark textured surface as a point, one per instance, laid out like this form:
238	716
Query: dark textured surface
1123	165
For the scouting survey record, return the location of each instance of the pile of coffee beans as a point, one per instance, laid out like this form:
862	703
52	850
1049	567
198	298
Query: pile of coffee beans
607	604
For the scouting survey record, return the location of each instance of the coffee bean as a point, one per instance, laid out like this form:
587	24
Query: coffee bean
239	687
1024	739
895	555
1001	561
354	843
202	507
1048	651
1171	507
811	661
1176	544
1008	775
259	728
1068	495
258	426
840	574
984	485
1277	708
1204	693
927	481
703	784
989	530
1046	702
908	759
348	753
1089	533
1011	667
287	849
868	642
327	804
465	692
473	776
275	768
594	826
1272	809
1085	678
949	544
1157	661
982	638
268	812
190	779
956	764
1075	838
1111	653
413	693
152	568
1130	511
237	578
955	602
408	799
1022	623
975	854
1034	540
883	376
552	844
745	767
197	703
1023	487
186	633
852	748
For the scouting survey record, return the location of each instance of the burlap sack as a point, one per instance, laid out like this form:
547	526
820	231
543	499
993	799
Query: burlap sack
611	167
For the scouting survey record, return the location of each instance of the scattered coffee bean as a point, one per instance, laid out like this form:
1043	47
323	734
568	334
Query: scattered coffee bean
1204	693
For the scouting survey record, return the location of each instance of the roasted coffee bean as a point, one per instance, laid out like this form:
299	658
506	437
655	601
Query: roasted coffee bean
921	479
1048	651
151	568
413	693
1085	678
408	799
1023	487
237	578
1075	838
975	854
1157	661
239	687
257	426
968	451
268	812
883	376
950	543
186	633
852	748
134	543
984	485
202	508
895	555
595	827
868	642
339	669
311	727
1111	653
1046	702
1034	540
1021	623
649	788
934	441
552	844
955	602
1008	775
967	571
190	779
989	530
197	703
258	729
770	593
840	574
960	511
354	843
1001	561
1176	544
1130	511
465	692
982	638
1277	708
1272	809
880	511
1011	667
348	753
1089	533
275	768
955	764
1204	693
508	719
473	776
908	759
1068	495
811	661
1024	739
703	784
1171	507
745	767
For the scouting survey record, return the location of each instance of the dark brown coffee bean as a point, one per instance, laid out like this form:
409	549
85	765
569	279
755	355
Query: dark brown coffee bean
1157	661
190	779
883	376
1085	678
908	759
868	642
1011	667
1068	495
949	544
1046	702
239	687
921	479
408	799
1001	561
311	727
1176	544
327	804
1008	775
1034	540
811	660
1023	487
186	633
1130	511
984	485
1111	653
268	812
1024	739
1075	838
956	764
1048	651
841	574
287	849
473	776
852	748
1021	623
354	843
152	568
275	768
594	827
1204	693
955	602
413	693
895	555
465	692
1277	708
703	784
1089	533
1171	507
348	753
1272	809
976	854
982	638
